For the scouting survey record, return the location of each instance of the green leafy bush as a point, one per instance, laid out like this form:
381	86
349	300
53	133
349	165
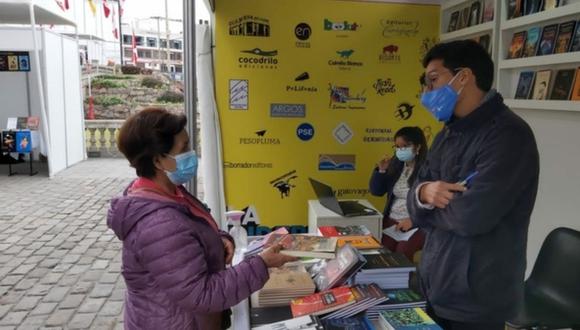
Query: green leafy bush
151	82
114	77
130	69
171	97
107	101
102	83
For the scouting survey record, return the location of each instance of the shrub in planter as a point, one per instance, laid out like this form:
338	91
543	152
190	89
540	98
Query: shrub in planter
151	82
130	69
102	83
171	97
107	101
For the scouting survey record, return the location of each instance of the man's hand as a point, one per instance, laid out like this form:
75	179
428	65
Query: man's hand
229	249
439	193
383	164
273	258
404	225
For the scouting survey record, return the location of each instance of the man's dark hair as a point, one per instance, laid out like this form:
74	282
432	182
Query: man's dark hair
147	134
464	54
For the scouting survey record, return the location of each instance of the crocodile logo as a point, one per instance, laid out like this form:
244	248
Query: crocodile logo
345	53
259	52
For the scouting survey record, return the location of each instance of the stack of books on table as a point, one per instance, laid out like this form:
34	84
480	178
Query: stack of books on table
407	318
366	296
390	270
285	284
328	274
306	322
397	299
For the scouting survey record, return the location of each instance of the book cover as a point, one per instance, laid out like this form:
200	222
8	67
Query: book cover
8	141
308	246
533	6
261	315
453	20
565	33
548	40
488	11
402	296
532	38
408	318
23	142
21	123
288	278
359	242
475	13
352	230
32	123
517	45
576	90
328	274
3	62
551	4
514	8
322	302
563	84
575	44
351	323
463	18
385	261
525	84
541	85
484	42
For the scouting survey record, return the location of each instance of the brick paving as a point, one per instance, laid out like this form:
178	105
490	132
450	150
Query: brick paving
59	263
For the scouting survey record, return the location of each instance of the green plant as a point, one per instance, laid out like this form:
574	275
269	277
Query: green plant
171	97
151	82
114	77
130	69
102	83
107	101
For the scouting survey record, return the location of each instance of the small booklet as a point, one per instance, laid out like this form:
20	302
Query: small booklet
398	235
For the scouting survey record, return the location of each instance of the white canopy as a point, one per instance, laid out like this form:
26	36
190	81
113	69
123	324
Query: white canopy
18	12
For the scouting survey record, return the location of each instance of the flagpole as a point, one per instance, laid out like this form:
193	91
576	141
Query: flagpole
120	31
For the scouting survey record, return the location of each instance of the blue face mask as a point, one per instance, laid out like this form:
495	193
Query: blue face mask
441	102
185	168
405	154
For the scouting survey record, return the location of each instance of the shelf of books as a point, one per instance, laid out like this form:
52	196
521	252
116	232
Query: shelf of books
479	29
539	54
461	19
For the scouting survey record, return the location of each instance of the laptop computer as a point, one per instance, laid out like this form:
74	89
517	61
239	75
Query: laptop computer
327	199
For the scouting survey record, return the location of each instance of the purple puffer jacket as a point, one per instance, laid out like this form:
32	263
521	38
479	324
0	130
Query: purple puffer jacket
174	266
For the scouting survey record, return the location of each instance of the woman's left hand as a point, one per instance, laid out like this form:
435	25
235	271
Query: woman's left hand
229	248
404	224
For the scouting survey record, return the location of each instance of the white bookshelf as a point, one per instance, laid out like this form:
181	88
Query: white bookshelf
471	31
548	105
570	10
537	61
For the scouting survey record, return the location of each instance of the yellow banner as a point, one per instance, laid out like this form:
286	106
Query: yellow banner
314	88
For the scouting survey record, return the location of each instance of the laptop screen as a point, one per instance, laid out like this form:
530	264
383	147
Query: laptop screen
326	196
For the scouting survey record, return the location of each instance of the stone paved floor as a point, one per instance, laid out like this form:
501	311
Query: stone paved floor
59	263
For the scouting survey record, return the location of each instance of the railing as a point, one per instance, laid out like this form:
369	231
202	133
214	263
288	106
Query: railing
101	138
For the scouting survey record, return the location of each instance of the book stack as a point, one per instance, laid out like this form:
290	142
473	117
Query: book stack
407	318
354	230
366	296
390	270
397	299
359	322
257	245
328	274
323	302
285	284
307	322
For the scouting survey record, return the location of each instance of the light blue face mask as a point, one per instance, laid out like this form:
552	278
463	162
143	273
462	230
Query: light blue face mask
441	101
405	154
185	168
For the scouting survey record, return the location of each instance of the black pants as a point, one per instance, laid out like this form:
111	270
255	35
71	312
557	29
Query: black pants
458	325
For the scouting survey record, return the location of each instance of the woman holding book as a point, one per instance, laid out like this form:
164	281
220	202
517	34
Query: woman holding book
393	177
174	254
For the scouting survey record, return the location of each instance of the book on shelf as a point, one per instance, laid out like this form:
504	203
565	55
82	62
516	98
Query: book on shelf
532	39
362	242
307	322
484	41
541	84
517	45
407	318
548	40
532	6
488	11
525	84
328	274
514	8
551	4
463	18
565	34
322	302
453	20
575	44
563	83
576	89
21	122
359	322
285	283
304	245
352	230
475	13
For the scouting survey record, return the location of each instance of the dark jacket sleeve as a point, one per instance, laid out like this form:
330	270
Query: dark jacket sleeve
383	183
181	270
508	163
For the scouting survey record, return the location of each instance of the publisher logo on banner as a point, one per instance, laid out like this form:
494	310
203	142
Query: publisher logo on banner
287	110
404	111
238	94
378	135
397	28
344	61
247	165
305	132
258	59
341	98
340	26
299	87
384	87
250	26
328	162
260	138
343	133
302	32
390	54
285	183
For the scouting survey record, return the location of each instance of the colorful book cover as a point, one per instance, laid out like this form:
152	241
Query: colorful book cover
575	46
328	274
322	302
21	122
402	296
13	63
352	230
23	142
488	11
359	242
517	45
475	13
453	20
576	90
525	85
408	318
32	123
551	4
563	84
351	323
532	38
463	18
541	85
8	141
514	8
548	40
565	33
305	245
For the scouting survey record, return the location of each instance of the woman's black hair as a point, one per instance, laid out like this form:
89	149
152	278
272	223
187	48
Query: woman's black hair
415	136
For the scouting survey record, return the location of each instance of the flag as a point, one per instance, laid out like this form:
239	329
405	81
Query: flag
93	7
106	9
121	9
135	55
115	30
62	4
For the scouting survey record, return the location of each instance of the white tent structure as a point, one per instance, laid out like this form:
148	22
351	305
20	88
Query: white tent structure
52	89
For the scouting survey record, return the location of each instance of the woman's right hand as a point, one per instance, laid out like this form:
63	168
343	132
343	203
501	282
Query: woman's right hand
273	258
383	164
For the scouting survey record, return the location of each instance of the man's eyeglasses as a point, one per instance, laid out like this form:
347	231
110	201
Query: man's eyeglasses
428	82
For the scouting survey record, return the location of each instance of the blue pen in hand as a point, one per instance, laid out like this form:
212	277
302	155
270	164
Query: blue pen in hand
468	179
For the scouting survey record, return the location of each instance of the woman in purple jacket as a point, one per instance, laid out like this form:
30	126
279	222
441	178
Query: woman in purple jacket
174	255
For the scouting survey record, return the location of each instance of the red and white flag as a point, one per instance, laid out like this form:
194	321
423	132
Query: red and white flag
115	27
135	56
106	9
63	4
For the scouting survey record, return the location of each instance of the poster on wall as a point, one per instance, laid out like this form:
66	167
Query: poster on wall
14	61
314	89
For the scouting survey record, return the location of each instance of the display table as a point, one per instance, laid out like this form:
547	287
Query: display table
319	215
